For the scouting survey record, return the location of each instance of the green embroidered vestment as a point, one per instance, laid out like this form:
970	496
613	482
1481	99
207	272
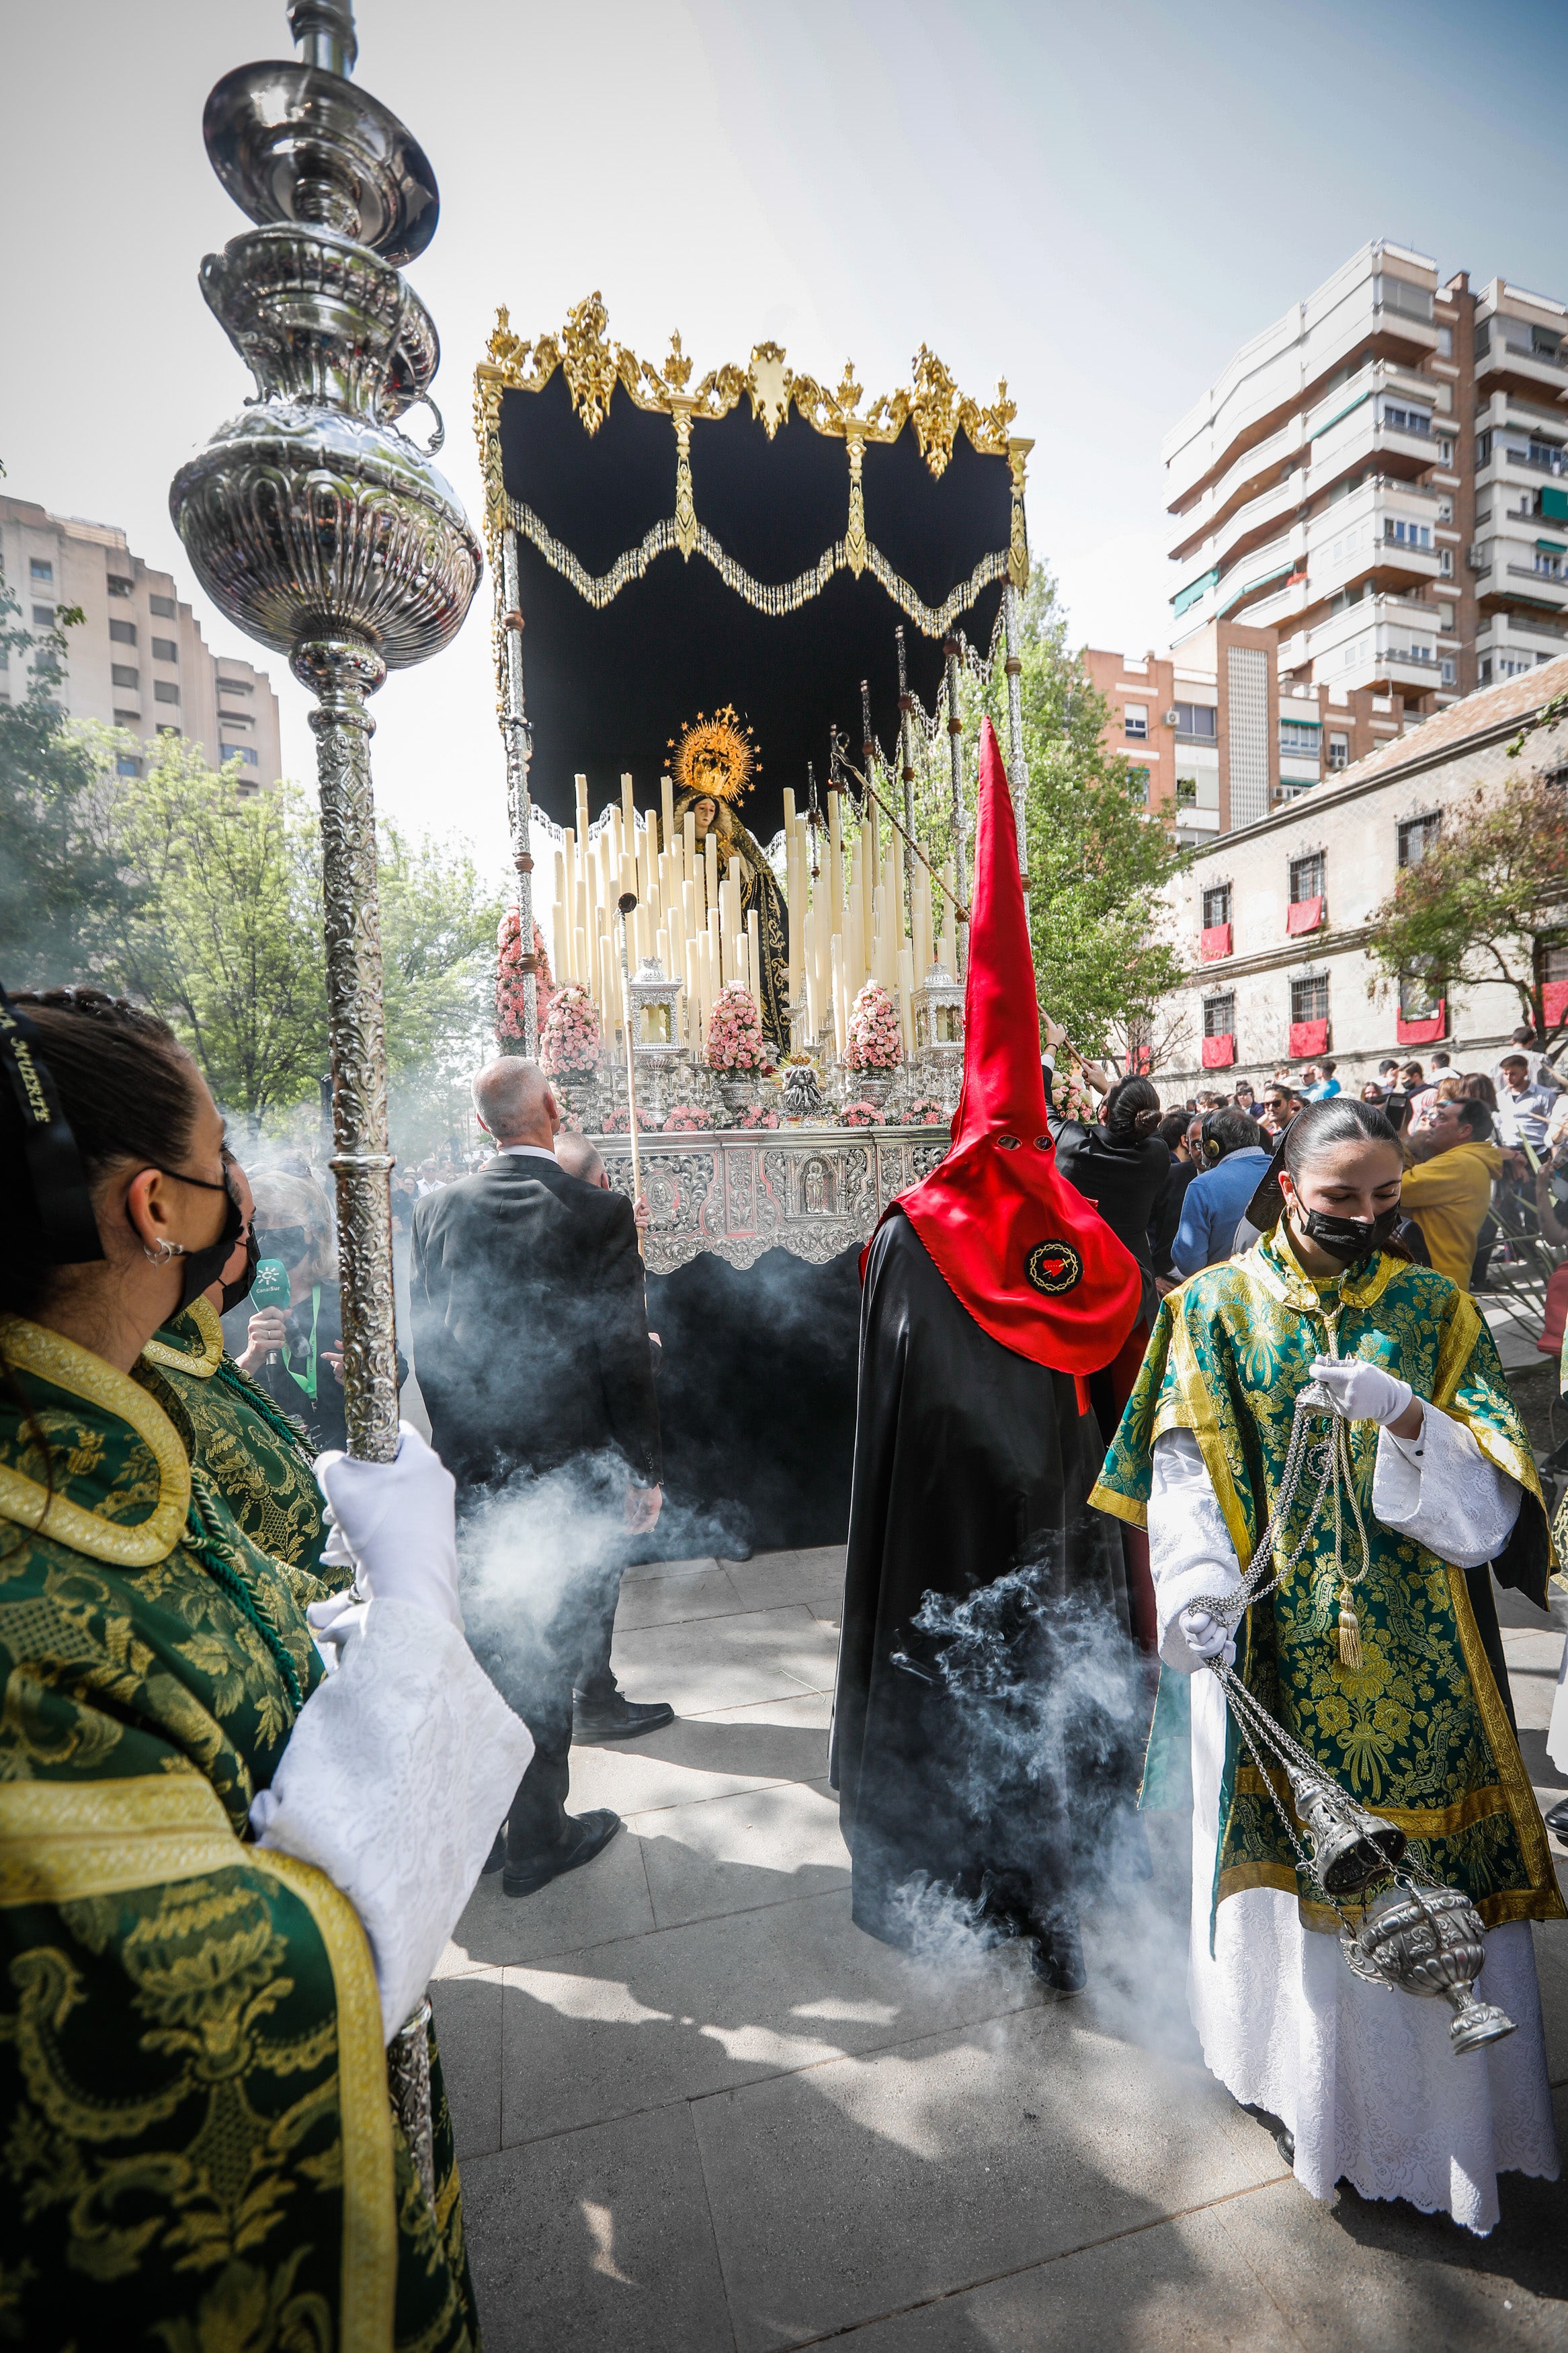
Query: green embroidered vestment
196	2143
1418	1731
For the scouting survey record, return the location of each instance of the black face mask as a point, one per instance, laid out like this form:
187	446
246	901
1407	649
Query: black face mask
1348	1239
239	1289
200	1268
286	1244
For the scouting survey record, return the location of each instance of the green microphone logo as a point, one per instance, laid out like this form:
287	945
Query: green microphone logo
270	1288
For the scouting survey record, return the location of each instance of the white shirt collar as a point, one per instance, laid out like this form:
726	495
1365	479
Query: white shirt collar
521	1150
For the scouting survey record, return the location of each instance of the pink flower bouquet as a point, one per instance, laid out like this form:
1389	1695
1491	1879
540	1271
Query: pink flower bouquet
926	1111
735	1039
569	1044
688	1119
758	1116
875	1041
615	1122
861	1114
509	978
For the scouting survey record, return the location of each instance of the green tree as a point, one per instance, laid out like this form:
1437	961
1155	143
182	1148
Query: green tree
63	887
1488	900
1097	859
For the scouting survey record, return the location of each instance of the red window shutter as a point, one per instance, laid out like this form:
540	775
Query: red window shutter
1307	1038
1426	1032
1213	942
1305	915
1218	1053
1554	1001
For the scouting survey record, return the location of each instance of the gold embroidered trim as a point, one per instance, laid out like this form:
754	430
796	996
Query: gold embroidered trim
1441	1822
61	1841
1515	1780
369	2213
82	1375
1505	1904
600	589
200	1363
1120	1507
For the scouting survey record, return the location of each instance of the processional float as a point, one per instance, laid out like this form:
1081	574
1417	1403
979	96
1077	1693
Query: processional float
319	526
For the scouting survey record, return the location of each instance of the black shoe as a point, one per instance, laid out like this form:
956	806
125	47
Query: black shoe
1285	2142
616	1718
1557	1820
1055	1957
588	1835
497	1855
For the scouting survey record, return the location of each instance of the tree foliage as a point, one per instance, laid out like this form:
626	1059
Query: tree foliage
1487	901
62	883
1097	859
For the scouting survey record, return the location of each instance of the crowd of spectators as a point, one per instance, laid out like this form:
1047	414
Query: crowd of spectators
1483	1149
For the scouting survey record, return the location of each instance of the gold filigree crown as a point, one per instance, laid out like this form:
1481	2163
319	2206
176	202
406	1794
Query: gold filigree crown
714	755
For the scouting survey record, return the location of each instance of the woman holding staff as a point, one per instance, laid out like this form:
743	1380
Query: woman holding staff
1385	1664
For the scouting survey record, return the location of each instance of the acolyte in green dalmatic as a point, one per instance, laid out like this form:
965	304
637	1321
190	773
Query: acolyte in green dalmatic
196	2143
1419	1731
258	1461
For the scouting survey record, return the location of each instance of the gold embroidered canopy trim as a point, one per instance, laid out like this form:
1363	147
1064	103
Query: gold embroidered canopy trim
592	366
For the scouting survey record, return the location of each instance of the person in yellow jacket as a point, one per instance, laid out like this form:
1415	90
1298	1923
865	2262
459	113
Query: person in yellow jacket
1449	1190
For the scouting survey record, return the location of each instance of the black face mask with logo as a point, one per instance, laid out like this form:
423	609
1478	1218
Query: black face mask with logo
238	1291
1348	1239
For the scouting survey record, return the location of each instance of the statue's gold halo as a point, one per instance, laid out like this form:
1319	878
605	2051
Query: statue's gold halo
714	755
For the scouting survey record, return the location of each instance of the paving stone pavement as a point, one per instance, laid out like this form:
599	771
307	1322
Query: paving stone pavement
699	2111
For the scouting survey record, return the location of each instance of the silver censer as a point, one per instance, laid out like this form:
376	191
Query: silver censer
319	527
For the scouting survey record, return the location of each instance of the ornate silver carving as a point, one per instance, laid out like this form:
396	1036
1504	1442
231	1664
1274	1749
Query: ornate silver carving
408	2080
323	530
1430	1940
815	1192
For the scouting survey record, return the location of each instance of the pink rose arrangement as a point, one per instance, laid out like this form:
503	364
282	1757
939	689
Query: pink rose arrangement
615	1122
861	1114
688	1119
758	1116
569	1044
735	1039
926	1111
509	978
874	1043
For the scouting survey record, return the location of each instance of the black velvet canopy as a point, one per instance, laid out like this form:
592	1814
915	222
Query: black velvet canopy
610	677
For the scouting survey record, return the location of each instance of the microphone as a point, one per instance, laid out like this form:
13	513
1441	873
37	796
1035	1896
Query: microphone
270	1288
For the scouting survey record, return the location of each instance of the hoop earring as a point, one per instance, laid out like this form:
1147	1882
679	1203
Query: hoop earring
164	1253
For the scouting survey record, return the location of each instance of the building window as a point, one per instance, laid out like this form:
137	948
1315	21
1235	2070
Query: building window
1449	671
1216	906
1186	792
1300	735
122	633
127	766
122	675
1420	994
1196	723
1445	342
128	719
1219	1017
1135	721
165	691
1409	533
244	752
43	617
1138	785
1406	420
235	686
1445	449
119	585
41	570
1307	883
165	649
1446	562
1310	999
1417	836
1339	750
163	608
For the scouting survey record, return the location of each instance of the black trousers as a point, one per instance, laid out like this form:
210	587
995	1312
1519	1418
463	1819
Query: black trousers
543	1560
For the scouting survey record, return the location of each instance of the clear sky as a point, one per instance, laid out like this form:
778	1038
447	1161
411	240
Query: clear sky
1100	202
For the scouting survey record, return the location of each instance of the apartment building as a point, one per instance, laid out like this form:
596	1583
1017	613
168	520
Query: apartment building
1380	482
138	659
1276	914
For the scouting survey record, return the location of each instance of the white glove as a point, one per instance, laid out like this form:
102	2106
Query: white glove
398	1519
1206	1636
1363	1392
334	1622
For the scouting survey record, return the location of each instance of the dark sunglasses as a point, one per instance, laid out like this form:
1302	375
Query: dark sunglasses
286	1243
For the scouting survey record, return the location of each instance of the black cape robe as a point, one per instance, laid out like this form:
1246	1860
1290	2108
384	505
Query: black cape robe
971	1462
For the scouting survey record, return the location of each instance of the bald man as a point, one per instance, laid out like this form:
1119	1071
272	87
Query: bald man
531	1345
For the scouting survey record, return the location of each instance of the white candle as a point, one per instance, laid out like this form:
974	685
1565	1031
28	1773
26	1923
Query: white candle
666	808
907	998
813	1005
629	806
840	998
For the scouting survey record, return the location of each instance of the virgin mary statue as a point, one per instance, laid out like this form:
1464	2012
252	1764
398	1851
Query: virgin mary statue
711	763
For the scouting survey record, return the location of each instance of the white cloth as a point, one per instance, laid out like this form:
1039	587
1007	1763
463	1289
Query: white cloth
524	1150
1366	2079
397	1770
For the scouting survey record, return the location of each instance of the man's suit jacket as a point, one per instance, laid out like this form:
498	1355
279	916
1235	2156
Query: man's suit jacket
531	1337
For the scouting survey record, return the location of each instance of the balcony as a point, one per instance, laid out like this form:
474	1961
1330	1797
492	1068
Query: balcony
1511	359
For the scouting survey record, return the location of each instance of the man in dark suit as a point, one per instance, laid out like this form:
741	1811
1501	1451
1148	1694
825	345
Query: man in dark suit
531	1348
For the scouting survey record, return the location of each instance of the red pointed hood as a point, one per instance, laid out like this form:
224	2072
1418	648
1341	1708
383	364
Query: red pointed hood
1032	1260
